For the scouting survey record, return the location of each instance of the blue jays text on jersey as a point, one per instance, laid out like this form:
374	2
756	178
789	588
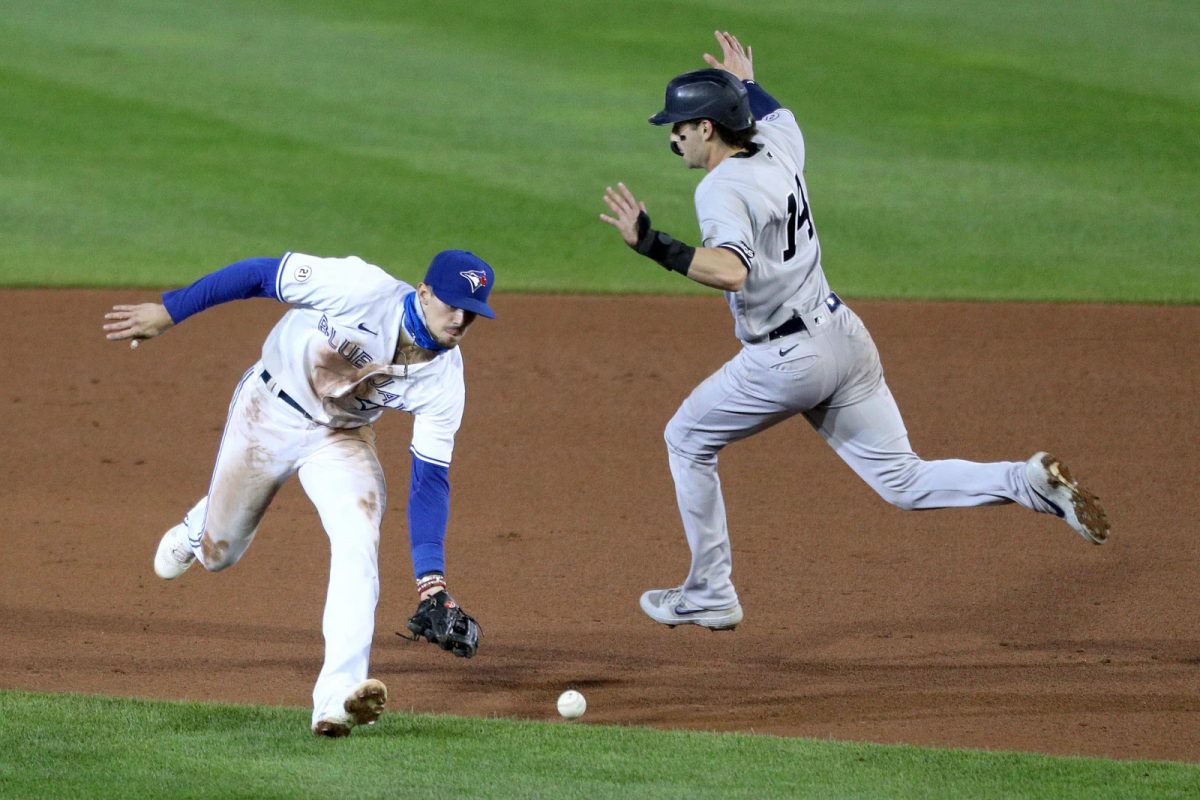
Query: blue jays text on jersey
348	349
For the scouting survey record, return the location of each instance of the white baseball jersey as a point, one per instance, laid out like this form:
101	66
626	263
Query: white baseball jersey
307	409
757	207
333	353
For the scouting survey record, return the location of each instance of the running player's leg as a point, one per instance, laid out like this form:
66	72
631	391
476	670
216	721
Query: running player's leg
753	391
345	482
862	423
256	455
869	435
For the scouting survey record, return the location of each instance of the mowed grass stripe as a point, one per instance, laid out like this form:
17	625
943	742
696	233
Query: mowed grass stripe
393	173
972	151
78	746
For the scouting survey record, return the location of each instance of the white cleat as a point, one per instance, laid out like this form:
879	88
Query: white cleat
667	607
174	554
362	707
1078	507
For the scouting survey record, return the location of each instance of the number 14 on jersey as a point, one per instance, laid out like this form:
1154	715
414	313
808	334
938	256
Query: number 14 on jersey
796	221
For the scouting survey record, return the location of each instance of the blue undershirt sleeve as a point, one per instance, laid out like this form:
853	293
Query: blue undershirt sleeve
428	513
253	277
761	103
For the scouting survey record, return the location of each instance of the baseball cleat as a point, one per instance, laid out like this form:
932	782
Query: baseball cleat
667	607
1079	508
362	707
174	554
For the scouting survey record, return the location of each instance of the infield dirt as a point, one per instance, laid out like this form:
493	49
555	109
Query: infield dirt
992	628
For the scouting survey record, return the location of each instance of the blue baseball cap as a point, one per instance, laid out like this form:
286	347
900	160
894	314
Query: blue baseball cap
461	279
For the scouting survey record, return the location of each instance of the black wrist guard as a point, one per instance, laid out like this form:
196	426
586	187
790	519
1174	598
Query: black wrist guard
658	246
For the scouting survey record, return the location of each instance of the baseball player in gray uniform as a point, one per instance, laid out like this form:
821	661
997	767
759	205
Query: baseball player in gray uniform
355	342
804	351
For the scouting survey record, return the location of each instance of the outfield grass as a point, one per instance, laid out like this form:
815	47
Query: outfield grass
74	746
970	150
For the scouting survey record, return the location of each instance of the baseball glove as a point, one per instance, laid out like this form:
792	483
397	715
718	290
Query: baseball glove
442	621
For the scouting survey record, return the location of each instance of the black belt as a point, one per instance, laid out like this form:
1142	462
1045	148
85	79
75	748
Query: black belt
796	324
793	325
284	396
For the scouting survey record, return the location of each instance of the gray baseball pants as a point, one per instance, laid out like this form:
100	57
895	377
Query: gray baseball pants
831	374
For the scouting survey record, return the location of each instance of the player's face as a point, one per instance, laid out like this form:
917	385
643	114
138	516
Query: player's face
687	140
447	324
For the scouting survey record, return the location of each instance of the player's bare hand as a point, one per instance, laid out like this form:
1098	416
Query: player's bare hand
136	322
625	209
734	58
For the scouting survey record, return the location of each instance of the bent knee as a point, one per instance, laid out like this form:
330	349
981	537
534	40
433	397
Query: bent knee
896	485
674	434
216	554
683	442
905	501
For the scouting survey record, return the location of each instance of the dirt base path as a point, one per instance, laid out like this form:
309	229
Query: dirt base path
993	628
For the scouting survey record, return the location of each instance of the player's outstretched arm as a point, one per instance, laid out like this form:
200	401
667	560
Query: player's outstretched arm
714	267
136	322
252	277
739	61
734	58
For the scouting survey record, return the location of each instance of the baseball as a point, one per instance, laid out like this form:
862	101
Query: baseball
571	704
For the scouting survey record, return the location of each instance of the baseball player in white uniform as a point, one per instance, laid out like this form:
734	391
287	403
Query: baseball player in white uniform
356	341
803	350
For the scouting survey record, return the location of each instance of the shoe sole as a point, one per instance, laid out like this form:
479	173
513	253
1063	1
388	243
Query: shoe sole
331	730
365	705
367	702
675	625
698	621
1086	506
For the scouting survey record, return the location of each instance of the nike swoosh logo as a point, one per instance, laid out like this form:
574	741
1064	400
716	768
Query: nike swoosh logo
783	351
362	327
683	612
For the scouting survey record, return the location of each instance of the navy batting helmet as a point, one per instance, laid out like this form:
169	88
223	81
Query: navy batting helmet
706	94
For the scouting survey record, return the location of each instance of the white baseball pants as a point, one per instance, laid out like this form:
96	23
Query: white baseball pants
264	443
832	375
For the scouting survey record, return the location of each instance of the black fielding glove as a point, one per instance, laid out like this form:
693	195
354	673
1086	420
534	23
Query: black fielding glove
441	621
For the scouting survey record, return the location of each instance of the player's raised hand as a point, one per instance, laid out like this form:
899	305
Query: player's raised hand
734	58
136	322
625	208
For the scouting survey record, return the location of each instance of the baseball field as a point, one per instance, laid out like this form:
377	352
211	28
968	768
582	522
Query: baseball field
1009	196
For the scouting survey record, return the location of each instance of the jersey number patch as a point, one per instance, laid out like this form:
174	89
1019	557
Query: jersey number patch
796	221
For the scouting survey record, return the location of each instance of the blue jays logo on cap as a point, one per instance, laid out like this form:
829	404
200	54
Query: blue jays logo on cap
476	277
461	279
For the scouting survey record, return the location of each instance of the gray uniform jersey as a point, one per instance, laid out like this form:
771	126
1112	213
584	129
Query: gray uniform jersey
756	206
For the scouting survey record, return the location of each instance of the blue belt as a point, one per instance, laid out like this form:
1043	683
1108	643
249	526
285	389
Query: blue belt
284	396
796	324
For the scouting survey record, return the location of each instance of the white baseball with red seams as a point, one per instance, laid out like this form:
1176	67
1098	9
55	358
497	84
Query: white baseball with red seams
571	704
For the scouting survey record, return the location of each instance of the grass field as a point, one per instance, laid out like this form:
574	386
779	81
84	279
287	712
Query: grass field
65	746
1024	150
956	150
